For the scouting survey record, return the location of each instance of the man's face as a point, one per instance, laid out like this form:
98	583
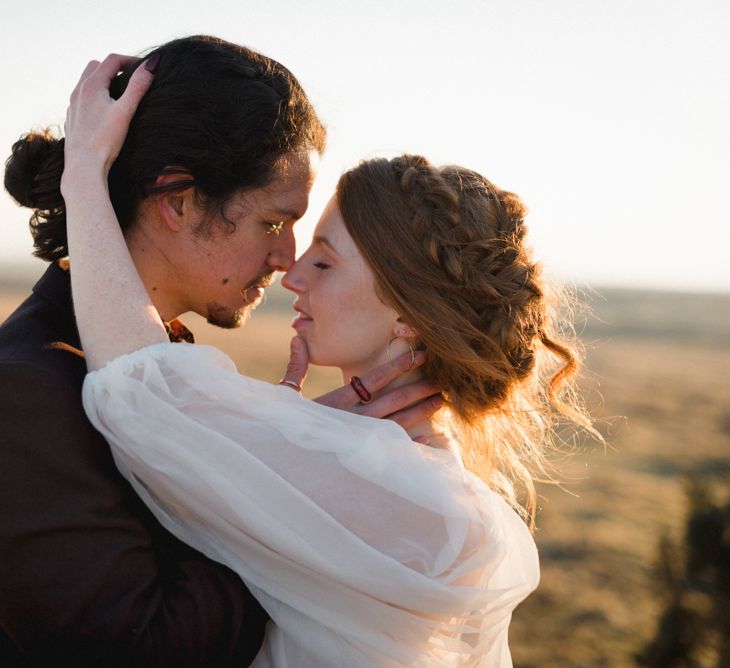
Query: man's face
221	272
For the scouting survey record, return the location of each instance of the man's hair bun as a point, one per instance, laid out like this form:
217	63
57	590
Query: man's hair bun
33	179
35	155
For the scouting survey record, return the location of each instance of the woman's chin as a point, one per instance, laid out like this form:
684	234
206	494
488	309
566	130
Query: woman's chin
318	360
321	358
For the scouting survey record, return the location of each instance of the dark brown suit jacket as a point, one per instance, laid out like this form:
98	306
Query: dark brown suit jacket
87	575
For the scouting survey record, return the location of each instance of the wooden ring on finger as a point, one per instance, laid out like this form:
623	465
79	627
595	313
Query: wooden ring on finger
360	389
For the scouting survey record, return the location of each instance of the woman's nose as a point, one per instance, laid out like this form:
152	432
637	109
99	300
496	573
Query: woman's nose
292	280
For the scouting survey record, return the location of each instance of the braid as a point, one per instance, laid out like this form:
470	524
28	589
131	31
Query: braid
448	249
481	262
434	207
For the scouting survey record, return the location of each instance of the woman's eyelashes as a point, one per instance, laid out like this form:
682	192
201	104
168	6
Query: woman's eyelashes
321	265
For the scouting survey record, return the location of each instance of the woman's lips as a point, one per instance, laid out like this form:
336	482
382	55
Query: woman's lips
302	319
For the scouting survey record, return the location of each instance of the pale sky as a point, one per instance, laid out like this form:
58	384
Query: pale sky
610	118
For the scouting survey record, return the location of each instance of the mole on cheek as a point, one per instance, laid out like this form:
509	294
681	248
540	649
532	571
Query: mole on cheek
225	280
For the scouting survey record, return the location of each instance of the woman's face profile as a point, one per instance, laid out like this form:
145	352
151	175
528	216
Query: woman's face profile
340	316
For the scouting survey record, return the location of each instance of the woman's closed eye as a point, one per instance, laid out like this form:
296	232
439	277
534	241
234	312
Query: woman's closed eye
321	265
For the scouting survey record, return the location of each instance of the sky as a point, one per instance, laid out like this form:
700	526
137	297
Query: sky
610	118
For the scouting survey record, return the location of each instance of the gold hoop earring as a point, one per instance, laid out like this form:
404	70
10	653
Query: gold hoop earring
413	354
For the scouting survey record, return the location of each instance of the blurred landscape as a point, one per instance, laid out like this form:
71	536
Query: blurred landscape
658	368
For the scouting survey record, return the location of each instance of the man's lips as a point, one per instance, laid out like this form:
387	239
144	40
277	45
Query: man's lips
259	284
263	283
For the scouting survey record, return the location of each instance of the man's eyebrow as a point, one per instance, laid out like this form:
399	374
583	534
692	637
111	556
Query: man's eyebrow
286	214
324	241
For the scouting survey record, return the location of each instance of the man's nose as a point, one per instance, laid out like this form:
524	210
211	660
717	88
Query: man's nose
281	257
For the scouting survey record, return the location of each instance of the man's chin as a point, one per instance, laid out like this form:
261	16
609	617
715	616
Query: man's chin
227	318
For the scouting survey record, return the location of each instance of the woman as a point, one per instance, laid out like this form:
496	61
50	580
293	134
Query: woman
365	548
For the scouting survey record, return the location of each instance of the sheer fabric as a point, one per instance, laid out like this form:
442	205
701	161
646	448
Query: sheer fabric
366	548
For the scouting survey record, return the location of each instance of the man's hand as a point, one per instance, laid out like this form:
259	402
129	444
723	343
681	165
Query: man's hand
407	405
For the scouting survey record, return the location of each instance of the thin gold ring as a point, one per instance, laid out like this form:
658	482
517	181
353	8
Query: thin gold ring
291	383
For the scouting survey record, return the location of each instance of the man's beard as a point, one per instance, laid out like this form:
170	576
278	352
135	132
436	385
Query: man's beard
226	318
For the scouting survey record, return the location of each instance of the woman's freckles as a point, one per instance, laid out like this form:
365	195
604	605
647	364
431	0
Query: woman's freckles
225	280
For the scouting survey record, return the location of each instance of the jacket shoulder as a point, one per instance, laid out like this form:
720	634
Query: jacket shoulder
40	338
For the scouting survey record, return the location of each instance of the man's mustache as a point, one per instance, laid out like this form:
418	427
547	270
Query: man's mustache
263	281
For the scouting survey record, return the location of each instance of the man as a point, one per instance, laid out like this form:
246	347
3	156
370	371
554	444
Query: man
87	575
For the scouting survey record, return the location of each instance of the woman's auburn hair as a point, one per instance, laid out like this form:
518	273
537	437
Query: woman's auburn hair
448	251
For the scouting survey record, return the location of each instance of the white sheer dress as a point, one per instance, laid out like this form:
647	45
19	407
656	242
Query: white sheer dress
365	548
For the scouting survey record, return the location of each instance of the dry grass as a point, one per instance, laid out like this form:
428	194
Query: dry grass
598	602
667	375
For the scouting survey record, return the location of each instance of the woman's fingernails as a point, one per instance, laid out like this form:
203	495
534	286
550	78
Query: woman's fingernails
152	64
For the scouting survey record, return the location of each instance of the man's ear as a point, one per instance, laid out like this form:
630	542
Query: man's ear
176	207
404	330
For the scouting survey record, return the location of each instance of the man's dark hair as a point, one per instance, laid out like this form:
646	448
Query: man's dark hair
217	112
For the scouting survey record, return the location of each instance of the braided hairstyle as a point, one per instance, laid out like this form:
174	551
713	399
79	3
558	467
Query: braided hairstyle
448	251
217	112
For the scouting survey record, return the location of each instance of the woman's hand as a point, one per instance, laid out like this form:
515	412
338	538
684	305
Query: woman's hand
107	289
96	125
407	405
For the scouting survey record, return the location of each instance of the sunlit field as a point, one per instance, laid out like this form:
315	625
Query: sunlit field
659	366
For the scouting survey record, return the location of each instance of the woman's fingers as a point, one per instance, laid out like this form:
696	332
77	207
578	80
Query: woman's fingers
412	416
88	71
110	67
407	405
296	369
139	83
375	380
397	400
96	125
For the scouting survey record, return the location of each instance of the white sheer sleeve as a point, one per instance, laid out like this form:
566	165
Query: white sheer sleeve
365	548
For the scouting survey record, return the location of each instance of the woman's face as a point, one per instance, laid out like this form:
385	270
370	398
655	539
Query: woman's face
340	317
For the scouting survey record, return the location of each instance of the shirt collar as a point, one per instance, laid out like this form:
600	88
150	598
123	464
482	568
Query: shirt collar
178	333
